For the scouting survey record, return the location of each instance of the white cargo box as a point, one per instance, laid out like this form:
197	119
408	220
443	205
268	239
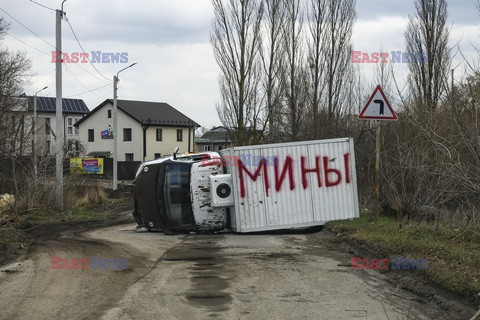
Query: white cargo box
291	185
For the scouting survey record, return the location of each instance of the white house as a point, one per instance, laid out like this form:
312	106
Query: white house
27	131
146	130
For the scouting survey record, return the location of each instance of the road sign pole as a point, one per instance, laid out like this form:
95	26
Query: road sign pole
377	108
377	171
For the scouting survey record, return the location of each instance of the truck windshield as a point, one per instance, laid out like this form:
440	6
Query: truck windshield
176	195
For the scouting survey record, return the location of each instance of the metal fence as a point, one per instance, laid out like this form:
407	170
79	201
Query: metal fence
126	169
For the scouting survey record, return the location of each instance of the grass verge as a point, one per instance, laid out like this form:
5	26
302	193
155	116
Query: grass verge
74	215
453	254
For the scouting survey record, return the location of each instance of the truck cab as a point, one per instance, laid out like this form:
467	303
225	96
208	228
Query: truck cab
172	194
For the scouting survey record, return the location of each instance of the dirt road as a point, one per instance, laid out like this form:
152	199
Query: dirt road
218	276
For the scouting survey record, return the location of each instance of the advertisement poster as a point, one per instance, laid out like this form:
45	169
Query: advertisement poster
107	133
86	165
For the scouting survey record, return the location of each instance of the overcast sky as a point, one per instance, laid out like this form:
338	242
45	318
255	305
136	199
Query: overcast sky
170	41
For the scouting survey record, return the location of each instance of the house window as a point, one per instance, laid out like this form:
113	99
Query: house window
179	134
109	114
47	126
206	148
157	155
76	128
220	148
128	156
69	126
127	134
91	135
47	147
159	134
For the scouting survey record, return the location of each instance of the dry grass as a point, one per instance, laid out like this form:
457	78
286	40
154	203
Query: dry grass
453	253
85	196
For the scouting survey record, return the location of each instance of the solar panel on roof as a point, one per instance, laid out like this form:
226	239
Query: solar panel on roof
68	105
50	104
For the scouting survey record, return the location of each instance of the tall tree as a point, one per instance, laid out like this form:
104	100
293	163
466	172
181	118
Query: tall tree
316	65
427	39
336	52
293	72
272	54
236	43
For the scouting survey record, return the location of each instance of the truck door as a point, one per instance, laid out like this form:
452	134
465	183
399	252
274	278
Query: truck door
174	195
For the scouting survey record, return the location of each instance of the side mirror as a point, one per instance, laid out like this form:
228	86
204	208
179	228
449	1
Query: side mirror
175	151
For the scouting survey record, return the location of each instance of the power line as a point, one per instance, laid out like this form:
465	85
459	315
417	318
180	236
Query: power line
89	91
26	44
46	43
106	94
83	50
43	52
90	73
73	75
8	14
41	5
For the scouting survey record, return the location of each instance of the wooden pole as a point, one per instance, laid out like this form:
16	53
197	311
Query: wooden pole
377	172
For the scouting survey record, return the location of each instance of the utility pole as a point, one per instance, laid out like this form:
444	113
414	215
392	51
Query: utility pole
115	128
59	113
34	130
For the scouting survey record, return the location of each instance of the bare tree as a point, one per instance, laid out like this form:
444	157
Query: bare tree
383	75
427	44
316	65
337	50
272	54
293	73
14	67
236	43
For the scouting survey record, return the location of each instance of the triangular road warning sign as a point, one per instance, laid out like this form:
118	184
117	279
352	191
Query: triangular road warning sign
378	107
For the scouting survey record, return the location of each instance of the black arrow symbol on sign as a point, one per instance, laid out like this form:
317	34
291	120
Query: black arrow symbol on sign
381	103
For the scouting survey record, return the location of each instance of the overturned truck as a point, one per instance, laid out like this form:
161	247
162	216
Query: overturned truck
249	189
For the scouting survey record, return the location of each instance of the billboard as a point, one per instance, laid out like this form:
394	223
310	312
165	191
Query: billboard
86	165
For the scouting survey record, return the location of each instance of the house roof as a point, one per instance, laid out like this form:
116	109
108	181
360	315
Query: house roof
216	135
48	104
149	113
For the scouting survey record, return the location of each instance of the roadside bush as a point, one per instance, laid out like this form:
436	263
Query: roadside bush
431	161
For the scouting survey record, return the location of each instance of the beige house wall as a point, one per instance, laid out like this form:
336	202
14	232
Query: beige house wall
169	141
